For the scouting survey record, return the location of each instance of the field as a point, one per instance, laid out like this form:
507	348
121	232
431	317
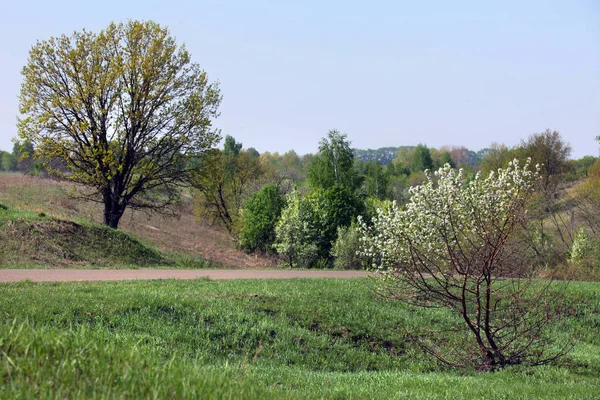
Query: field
332	339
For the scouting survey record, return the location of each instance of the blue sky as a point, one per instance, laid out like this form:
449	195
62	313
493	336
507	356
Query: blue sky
387	73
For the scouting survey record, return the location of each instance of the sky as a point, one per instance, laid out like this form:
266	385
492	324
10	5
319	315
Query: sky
386	73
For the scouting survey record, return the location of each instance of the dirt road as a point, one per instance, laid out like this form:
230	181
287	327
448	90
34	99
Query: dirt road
75	275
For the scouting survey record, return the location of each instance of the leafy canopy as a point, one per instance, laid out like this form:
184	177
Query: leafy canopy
334	165
125	108
259	217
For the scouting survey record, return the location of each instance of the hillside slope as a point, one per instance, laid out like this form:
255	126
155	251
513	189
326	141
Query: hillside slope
183	240
52	242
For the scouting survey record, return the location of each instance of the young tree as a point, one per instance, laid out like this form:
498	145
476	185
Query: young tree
344	248
259	217
295	232
334	165
455	246
126	110
221	182
308	225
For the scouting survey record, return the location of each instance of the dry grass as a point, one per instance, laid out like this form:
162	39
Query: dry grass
180	235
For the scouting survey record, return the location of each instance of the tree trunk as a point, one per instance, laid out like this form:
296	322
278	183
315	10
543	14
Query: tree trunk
113	210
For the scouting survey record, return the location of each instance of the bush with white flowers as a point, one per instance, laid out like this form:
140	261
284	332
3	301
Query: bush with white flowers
456	245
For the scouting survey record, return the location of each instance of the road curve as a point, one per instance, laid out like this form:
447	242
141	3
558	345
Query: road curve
79	275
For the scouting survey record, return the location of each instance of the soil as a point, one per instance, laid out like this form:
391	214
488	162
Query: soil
75	275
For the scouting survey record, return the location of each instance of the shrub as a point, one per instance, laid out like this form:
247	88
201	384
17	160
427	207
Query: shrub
295	232
259	217
455	246
308	225
345	248
585	255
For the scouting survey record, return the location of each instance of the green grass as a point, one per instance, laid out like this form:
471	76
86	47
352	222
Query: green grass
8	214
36	240
311	339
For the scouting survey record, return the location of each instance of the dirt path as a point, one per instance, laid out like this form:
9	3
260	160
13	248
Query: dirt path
74	275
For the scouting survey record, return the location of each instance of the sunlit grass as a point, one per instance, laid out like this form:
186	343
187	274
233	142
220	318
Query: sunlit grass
299	338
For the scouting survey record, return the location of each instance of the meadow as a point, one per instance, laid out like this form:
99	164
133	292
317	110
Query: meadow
313	339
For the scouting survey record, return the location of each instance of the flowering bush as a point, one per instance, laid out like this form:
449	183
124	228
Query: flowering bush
454	245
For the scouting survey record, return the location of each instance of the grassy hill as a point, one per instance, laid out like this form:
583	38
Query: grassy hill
30	239
256	339
179	242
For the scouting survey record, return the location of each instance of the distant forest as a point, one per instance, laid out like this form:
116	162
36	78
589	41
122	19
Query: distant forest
384	155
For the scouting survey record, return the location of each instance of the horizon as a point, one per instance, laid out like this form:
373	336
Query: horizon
387	74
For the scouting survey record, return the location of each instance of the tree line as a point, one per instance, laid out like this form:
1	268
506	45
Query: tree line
126	114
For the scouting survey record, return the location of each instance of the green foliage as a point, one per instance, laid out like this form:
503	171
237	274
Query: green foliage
253	152
23	149
446	158
125	109
578	169
421	159
390	168
338	206
259	217
296	232
377	180
345	249
308	225
335	207
222	181
334	165
8	162
498	156
231	147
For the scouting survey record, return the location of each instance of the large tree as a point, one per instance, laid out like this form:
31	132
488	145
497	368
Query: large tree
551	152
125	108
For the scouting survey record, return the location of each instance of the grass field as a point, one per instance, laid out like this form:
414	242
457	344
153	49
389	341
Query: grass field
331	339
